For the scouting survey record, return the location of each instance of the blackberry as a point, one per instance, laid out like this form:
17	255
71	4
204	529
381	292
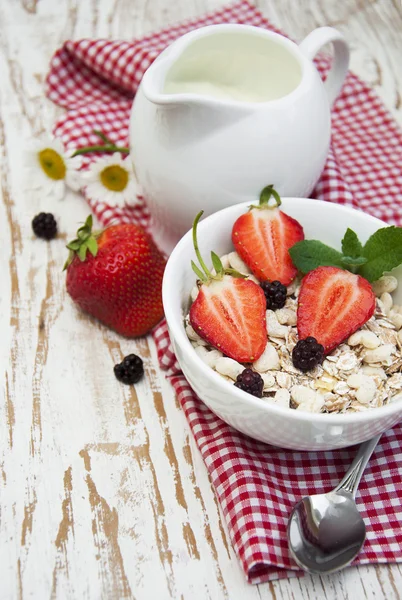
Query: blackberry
130	370
275	294
44	226
307	354
250	381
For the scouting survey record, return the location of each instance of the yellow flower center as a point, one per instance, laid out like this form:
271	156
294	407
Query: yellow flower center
114	178
52	163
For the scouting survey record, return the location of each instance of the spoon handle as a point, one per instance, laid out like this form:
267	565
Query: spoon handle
351	480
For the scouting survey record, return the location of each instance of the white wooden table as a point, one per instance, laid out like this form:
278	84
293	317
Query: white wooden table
103	493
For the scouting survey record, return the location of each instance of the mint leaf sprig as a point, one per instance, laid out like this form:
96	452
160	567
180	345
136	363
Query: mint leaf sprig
381	253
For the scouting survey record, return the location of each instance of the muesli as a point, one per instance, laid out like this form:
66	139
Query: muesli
235	305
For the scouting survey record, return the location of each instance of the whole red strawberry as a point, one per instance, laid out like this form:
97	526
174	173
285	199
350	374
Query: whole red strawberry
116	276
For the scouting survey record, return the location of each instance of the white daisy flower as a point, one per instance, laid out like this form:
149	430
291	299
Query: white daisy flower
111	180
50	169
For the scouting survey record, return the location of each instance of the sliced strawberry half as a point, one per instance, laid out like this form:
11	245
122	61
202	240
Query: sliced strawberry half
230	315
262	238
332	305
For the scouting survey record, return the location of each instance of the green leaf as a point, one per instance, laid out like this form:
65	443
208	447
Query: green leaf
353	262
217	263
74	245
83	234
69	260
198	271
92	246
351	245
82	252
383	241
310	254
235	273
383	251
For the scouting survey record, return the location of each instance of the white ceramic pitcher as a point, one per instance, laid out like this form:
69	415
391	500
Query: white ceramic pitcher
226	110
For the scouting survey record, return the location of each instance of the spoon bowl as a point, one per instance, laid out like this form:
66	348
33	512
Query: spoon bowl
326	531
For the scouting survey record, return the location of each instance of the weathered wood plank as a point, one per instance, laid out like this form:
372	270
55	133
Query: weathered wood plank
103	493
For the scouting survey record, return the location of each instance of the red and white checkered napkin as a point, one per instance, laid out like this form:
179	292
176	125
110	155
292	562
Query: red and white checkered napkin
257	485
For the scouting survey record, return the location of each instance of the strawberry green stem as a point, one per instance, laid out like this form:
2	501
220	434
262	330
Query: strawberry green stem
206	276
266	194
196	248
85	240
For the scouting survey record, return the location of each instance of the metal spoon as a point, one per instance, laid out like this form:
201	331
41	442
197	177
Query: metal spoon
326	531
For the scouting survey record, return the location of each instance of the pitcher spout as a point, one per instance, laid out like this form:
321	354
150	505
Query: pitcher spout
156	88
153	82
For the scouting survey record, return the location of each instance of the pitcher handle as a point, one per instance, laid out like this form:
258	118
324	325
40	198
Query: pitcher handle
337	74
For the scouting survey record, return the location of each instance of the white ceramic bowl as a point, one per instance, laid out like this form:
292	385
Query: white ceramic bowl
261	420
